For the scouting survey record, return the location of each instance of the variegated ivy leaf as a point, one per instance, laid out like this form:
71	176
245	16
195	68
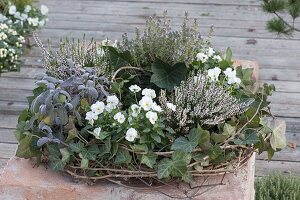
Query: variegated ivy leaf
277	139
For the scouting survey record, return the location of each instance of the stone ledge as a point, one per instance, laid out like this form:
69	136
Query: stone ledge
20	180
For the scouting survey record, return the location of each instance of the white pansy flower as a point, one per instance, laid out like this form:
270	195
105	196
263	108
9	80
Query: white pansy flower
33	21
98	107
17	15
27	8
112	102
152	116
231	75
106	42
44	10
23	16
210	52
12	10
41	23
171	106
146	103
2	18
91	117
97	132
135	110
201	57
217	57
149	93
134	88
214	73
119	117
131	134
156	107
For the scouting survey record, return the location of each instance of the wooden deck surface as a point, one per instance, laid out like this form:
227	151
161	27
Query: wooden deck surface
238	24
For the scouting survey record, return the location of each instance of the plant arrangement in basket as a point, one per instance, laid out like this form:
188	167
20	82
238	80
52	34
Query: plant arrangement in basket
161	106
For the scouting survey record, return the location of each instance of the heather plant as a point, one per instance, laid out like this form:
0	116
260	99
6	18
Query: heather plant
10	48
143	109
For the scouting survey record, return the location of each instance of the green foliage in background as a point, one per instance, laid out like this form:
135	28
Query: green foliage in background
20	4
278	187
285	12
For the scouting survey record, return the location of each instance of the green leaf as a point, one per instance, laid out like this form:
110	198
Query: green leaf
277	139
166	76
20	131
24	115
187	177
123	156
65	155
76	147
140	148
183	144
72	134
204	136
91	152
25	149
194	137
149	159
56	163
218	138
84	163
215	152
182	156
228	130
164	168
249	138
228	56
156	137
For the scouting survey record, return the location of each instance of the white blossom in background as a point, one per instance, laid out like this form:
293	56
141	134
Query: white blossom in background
214	74
152	116
119	117
91	117
100	52
115	43
105	42
201	57
134	88
146	103
12	10
210	52
98	107
33	21
217	57
2	18
231	75
27	8
135	110
97	132
44	10
149	93
171	106
131	134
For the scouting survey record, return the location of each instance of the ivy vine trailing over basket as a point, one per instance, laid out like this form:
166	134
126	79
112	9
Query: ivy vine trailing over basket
161	106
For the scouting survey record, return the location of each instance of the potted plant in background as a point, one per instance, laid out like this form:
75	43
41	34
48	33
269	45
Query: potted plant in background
161	108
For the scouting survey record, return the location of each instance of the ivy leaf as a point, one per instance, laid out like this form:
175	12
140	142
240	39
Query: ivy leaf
228	130
250	138
72	134
228	55
122	157
149	159
76	147
204	136
65	155
164	168
25	150
140	148
84	163
56	163
194	137
166	76
156	137
91	152
218	138
187	177
183	144
277	139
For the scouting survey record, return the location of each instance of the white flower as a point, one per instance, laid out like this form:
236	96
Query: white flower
106	42
201	57
97	132
135	110
156	107
146	103
44	10
149	93
171	106
217	57
17	15
98	107
115	43
100	52
152	116
2	18
12	10
214	73
27	8
33	21
131	134
210	52
112	102
119	117
231	75
134	88
41	23
91	117
23	16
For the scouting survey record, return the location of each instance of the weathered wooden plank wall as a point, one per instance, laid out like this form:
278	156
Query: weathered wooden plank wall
238	24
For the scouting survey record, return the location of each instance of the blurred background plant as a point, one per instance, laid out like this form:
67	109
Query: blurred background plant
285	12
278	187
